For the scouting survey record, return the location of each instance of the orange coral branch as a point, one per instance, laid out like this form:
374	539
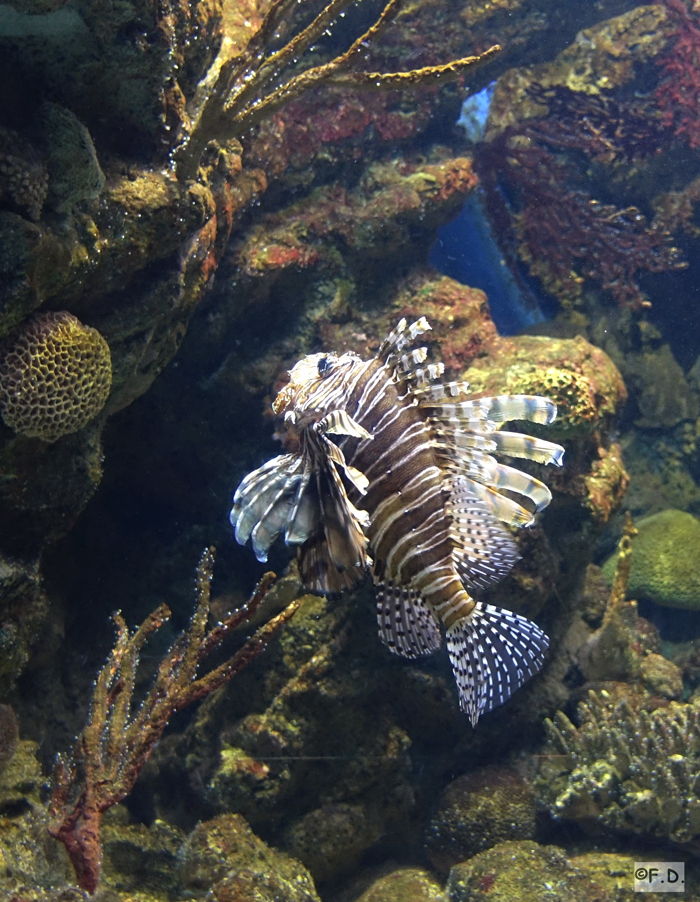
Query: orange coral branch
114	745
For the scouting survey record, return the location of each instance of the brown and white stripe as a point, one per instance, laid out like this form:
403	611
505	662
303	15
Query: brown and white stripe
395	471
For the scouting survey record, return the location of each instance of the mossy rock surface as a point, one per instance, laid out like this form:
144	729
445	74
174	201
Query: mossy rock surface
665	563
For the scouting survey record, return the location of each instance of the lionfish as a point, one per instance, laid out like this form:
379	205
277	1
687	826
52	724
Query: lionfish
390	470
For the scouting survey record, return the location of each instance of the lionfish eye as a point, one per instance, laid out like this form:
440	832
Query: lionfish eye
325	365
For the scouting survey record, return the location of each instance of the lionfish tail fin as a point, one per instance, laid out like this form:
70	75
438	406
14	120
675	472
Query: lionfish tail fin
493	652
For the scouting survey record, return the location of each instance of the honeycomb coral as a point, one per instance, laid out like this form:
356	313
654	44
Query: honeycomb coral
55	375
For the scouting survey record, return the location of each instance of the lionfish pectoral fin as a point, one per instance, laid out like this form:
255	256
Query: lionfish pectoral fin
335	557
484	551
493	652
444	404
406	623
510	479
263	502
319	573
355	476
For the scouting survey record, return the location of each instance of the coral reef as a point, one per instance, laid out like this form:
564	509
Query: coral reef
477	811
116	743
315	223
626	767
664	565
55	376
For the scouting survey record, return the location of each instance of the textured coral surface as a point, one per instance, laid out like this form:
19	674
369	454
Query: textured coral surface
55	376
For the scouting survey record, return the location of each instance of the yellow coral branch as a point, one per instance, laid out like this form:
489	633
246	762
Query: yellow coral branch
247	87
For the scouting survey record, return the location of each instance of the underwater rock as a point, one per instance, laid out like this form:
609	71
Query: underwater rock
365	228
23	613
628	767
661	467
661	677
28	855
24	179
140	858
74	171
612	873
521	871
601	58
665	568
34	264
581	379
404	885
149	60
657	383
43	487
476	812
331	839
9	736
224	856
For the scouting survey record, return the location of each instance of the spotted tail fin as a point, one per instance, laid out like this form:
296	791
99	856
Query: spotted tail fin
493	652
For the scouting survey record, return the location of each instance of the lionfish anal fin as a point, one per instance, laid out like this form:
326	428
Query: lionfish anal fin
406	623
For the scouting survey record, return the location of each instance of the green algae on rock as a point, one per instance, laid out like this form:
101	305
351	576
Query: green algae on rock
225	855
665	567
405	885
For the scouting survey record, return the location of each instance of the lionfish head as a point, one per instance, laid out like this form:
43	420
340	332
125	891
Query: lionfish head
308	380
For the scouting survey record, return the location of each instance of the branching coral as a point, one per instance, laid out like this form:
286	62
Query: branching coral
55	376
632	770
116	742
564	235
248	87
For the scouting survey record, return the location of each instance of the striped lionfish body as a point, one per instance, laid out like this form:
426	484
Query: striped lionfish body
392	471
